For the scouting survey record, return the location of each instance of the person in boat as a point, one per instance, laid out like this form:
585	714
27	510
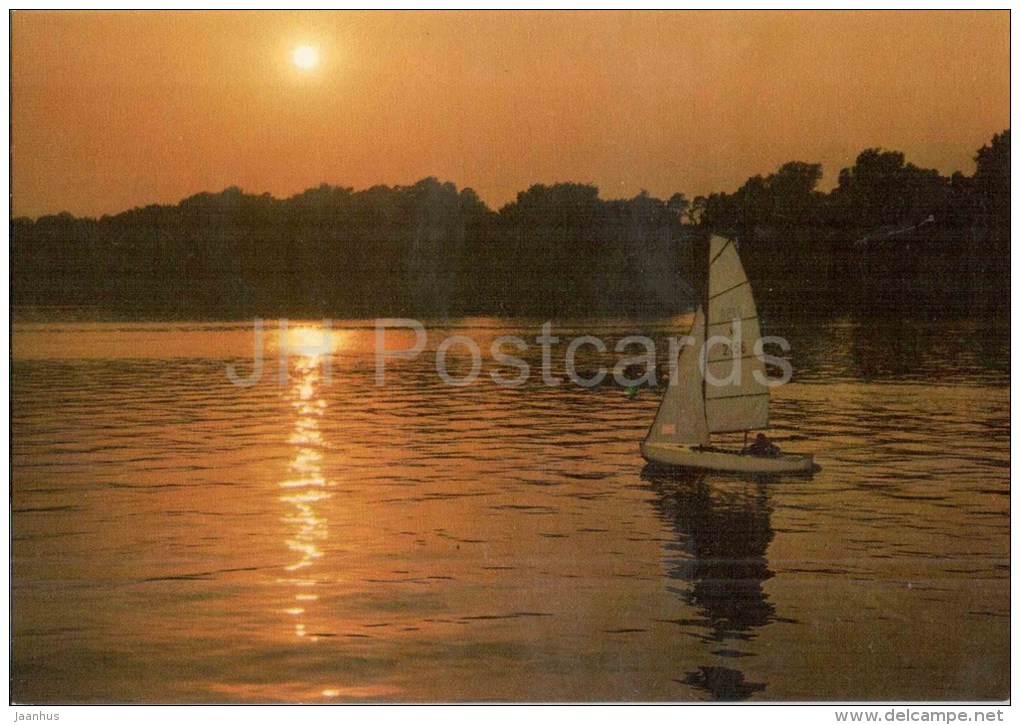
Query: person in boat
762	446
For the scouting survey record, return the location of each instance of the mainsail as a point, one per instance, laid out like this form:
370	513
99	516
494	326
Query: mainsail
736	398
681	416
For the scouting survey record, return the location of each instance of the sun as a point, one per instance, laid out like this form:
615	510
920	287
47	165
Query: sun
305	57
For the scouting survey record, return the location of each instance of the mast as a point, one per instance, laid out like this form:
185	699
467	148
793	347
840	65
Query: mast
703	342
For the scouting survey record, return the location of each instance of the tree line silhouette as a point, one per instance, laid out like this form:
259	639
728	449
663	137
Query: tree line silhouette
890	238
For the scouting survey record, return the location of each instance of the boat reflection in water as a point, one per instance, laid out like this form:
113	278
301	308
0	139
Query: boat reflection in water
718	564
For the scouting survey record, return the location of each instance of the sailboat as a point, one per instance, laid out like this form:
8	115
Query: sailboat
719	387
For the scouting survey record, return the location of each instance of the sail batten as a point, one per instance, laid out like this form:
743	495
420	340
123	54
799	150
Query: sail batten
730	322
716	255
726	359
737	395
730	289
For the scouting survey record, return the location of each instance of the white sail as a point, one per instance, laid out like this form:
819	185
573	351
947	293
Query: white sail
715	388
735	399
681	416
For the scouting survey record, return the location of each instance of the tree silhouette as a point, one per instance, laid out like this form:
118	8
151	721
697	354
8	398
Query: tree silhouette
891	237
991	181
881	189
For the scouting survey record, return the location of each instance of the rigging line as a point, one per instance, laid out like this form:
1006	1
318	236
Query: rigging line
739	284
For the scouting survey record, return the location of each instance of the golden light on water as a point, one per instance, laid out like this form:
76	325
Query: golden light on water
305	486
310	341
370	541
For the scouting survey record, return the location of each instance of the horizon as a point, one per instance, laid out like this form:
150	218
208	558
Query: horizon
114	110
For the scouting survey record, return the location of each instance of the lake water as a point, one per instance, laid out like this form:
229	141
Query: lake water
177	538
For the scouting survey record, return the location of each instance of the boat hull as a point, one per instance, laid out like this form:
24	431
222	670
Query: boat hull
719	460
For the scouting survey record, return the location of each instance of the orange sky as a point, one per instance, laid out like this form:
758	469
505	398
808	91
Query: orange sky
112	110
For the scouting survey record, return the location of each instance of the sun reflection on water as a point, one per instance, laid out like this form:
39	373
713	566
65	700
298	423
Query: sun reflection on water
309	341
305	487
